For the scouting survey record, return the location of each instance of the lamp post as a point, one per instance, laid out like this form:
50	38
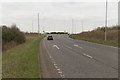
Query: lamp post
72	25
38	24
106	21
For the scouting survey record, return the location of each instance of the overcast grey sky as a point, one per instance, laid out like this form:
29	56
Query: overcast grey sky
57	16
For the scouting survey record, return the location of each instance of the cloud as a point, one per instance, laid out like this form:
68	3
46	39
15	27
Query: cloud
58	14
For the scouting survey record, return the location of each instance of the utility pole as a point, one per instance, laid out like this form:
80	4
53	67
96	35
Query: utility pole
72	25
38	24
75	28
43	24
43	29
82	25
32	25
106	21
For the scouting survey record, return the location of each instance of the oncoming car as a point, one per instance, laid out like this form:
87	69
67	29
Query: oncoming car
49	38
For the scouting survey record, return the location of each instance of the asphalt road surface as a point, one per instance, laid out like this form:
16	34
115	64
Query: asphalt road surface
64	57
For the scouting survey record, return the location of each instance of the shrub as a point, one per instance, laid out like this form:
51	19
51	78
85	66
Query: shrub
12	34
18	36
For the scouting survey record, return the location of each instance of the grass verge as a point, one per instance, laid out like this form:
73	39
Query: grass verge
22	61
99	41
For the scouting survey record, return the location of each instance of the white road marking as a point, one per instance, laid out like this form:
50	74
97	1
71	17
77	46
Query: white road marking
55	64
56	67
84	54
60	72
48	52
62	75
56	46
75	45
78	46
50	57
88	55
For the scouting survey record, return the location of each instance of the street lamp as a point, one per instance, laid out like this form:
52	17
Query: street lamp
106	21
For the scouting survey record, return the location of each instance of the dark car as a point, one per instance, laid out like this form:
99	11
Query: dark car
49	38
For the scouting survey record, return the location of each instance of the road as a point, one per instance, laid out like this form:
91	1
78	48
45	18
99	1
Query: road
67	58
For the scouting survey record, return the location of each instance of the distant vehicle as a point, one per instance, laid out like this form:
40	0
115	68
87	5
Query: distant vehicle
49	38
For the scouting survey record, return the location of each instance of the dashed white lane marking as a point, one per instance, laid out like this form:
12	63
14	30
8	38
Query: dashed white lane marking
55	64
63	76
78	46
60	72
88	55
75	45
56	67
50	57
56	46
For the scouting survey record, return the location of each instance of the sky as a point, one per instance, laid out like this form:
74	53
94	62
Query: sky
57	15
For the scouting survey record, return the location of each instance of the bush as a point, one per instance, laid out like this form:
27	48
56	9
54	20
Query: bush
18	36
12	34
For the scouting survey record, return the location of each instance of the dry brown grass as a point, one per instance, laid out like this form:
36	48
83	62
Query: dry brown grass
30	36
9	45
98	36
112	34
